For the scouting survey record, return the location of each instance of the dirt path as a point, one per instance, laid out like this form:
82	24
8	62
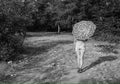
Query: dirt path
52	59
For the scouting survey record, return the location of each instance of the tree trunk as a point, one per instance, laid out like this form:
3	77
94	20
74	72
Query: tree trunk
58	29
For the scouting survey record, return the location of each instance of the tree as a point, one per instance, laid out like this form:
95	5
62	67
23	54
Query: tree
61	14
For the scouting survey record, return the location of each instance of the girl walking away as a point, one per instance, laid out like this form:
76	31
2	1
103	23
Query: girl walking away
82	31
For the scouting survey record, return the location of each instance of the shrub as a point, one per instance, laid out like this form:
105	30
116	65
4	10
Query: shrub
13	23
11	47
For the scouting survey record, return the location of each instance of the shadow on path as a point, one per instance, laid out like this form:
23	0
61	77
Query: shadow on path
44	47
100	60
32	51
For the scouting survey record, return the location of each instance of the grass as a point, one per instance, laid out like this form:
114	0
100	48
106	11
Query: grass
51	60
109	37
108	48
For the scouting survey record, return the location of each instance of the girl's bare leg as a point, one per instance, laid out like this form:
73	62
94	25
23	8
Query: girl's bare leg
80	49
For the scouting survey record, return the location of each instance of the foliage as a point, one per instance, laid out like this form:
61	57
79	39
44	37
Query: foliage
105	13
51	13
14	17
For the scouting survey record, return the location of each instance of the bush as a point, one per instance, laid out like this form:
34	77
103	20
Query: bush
11	38
13	23
11	47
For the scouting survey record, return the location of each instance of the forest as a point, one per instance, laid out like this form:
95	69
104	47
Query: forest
20	16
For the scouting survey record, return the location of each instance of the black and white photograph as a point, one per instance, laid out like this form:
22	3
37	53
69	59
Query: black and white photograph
59	41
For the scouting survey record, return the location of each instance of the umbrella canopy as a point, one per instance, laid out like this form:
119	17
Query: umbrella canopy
83	30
